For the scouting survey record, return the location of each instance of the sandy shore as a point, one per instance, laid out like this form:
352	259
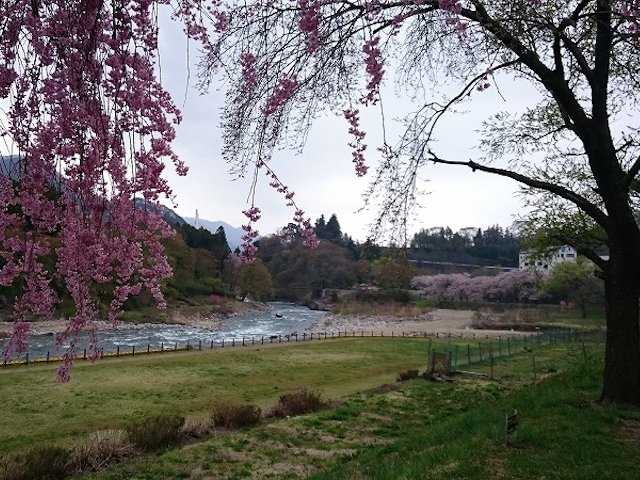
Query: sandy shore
441	321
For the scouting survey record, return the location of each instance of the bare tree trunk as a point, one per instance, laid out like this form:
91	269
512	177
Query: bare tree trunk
622	359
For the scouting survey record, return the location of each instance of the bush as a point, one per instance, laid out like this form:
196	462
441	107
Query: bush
407	375
197	427
100	449
298	403
384	296
232	415
42	463
156	432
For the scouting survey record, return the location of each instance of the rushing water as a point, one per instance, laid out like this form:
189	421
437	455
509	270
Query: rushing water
276	319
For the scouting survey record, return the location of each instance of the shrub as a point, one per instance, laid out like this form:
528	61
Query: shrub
384	296
232	415
407	375
42	463
297	403
100	449
156	432
197	427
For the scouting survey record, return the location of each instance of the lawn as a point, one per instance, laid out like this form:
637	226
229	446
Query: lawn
425	430
114	391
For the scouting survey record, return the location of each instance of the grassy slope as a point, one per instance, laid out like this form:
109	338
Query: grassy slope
113	391
431	431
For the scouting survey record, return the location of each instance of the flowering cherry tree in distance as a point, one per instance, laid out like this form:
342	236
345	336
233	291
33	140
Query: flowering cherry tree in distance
84	102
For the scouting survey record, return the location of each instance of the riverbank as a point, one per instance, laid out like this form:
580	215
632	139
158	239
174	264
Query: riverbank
438	321
197	314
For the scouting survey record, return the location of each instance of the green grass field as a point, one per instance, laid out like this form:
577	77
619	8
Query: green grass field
424	430
412	430
114	391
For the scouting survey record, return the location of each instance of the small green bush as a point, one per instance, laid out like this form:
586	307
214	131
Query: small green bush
298	403
232	415
156	432
41	463
407	375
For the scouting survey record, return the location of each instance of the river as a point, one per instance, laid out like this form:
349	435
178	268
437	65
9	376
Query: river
276	319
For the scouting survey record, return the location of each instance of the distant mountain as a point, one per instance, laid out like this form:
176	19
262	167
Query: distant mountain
233	233
167	214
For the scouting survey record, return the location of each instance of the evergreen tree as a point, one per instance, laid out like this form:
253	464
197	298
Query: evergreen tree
332	231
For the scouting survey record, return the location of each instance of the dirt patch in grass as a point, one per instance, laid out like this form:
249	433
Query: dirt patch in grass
386	388
497	467
629	431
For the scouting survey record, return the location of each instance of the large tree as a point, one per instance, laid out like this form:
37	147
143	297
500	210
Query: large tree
574	147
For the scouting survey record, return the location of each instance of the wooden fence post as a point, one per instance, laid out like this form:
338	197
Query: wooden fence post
47	356
117	350
133	351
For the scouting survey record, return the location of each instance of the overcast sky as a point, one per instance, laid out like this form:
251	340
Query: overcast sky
323	176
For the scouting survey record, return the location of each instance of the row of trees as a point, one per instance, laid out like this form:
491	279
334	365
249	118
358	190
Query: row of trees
494	245
572	282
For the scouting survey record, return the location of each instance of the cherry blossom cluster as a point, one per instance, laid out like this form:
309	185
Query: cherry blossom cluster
454	7
306	231
630	9
309	23
356	144
516	286
248	248
280	95
93	129
249	75
374	69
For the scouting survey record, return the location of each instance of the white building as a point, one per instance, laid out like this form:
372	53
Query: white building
468	232
528	261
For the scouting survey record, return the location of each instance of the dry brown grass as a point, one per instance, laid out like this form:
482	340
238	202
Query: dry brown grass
100	449
298	403
392	309
235	415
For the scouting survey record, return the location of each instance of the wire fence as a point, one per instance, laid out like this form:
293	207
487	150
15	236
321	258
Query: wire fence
479	347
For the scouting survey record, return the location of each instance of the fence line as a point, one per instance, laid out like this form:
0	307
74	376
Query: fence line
488	346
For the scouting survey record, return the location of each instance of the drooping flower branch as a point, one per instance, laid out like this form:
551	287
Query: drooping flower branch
305	229
357	143
92	129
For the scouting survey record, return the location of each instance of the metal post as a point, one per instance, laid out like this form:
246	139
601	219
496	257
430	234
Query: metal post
133	351
118	351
